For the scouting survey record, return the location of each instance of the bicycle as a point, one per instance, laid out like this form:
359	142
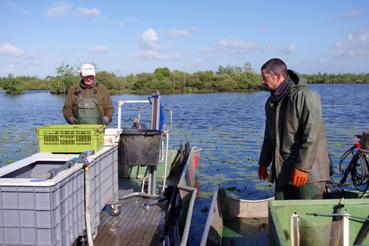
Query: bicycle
358	163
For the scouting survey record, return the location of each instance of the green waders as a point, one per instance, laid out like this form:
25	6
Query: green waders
305	192
88	111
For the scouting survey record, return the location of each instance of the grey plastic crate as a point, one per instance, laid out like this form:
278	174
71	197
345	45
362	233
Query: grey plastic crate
104	183
72	208
52	212
37	215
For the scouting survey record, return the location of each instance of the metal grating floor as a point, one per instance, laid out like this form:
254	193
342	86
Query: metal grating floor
136	225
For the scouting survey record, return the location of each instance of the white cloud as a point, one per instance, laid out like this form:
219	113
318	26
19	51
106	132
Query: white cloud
210	53
176	33
32	57
268	47
132	19
120	23
351	14
323	60
91	12
149	39
7	49
100	49
10	34
58	9
235	47
291	49
151	49
11	67
238	45
176	56
153	55
356	45
18	9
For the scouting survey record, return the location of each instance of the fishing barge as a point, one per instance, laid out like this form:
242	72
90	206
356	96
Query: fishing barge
77	198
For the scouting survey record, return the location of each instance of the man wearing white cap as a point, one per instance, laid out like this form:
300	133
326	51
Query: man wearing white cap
89	102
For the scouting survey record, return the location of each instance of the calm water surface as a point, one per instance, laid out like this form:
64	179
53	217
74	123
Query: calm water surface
228	127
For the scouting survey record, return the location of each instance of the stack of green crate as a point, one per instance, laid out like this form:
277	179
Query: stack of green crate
70	138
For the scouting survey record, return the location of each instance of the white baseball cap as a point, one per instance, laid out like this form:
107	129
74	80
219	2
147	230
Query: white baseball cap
87	70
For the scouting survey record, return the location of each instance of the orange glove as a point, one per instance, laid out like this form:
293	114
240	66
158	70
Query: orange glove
299	177
263	172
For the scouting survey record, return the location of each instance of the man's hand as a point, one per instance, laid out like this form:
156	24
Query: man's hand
72	120
263	172
105	120
299	177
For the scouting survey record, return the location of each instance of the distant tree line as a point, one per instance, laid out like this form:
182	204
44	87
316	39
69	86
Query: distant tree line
18	85
224	79
350	78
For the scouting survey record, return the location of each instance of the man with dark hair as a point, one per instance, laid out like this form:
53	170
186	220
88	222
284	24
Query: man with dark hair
294	138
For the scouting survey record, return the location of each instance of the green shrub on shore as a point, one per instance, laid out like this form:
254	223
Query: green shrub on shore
12	85
225	79
65	77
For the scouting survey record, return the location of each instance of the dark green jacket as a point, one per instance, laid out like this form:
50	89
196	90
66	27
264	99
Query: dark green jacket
294	135
98	91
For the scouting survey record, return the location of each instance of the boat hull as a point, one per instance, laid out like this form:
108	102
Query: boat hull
315	230
231	220
238	222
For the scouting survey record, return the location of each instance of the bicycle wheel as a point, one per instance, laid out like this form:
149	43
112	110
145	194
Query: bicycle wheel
359	172
346	159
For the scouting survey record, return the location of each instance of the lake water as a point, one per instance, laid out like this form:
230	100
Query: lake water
228	127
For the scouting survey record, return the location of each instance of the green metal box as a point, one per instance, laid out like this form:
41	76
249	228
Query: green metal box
70	138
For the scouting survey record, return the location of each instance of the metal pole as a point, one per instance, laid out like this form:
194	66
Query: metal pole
346	232
295	230
166	158
155	112
121	104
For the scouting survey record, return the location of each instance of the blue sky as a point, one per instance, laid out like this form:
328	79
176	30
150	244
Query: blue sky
138	36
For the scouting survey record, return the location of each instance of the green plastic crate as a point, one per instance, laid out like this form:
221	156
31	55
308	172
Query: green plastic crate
70	138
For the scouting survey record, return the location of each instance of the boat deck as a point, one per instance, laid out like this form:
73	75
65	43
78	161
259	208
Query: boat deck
137	224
